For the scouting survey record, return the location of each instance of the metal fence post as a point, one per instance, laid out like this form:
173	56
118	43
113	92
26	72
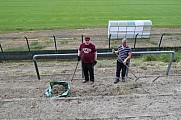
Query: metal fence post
160	41
2	52
109	41
56	51
27	42
135	40
82	38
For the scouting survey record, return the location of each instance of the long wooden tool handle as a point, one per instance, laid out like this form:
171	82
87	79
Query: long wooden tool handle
74	72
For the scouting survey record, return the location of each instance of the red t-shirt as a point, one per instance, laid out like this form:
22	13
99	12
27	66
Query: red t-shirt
87	52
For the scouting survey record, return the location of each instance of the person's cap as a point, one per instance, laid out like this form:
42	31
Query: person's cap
87	38
124	40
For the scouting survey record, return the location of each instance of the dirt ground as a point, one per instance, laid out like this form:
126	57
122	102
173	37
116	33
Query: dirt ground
22	94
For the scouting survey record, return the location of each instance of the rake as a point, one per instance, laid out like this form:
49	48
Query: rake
125	64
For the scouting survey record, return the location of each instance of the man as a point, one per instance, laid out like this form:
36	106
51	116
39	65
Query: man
88	54
124	53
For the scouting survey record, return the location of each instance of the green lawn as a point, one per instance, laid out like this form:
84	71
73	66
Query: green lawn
19	15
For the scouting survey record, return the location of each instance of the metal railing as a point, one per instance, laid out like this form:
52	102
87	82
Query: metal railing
45	56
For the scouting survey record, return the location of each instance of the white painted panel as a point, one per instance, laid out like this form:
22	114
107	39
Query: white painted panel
139	23
121	34
113	28
114	36
122	29
130	29
140	28
130	35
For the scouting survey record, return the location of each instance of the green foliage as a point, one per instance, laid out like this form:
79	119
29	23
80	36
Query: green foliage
154	43
18	48
20	15
36	46
177	57
63	42
149	58
162	57
33	46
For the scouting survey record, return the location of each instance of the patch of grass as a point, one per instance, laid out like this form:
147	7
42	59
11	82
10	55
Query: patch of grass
154	43
177	57
36	46
33	46
64	42
18	48
148	58
21	15
162	57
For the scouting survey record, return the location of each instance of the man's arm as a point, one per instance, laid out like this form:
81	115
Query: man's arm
129	56
79	55
115	52
95	56
78	52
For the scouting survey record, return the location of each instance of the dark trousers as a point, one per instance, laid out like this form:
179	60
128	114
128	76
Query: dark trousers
88	68
121	66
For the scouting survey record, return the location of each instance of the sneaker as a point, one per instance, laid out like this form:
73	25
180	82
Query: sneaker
117	80
123	79
85	81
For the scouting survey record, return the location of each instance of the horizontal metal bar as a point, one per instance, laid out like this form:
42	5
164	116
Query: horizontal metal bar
42	56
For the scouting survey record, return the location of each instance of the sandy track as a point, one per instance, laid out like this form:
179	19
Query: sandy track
22	94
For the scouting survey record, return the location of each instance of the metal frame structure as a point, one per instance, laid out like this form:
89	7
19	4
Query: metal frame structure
46	56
